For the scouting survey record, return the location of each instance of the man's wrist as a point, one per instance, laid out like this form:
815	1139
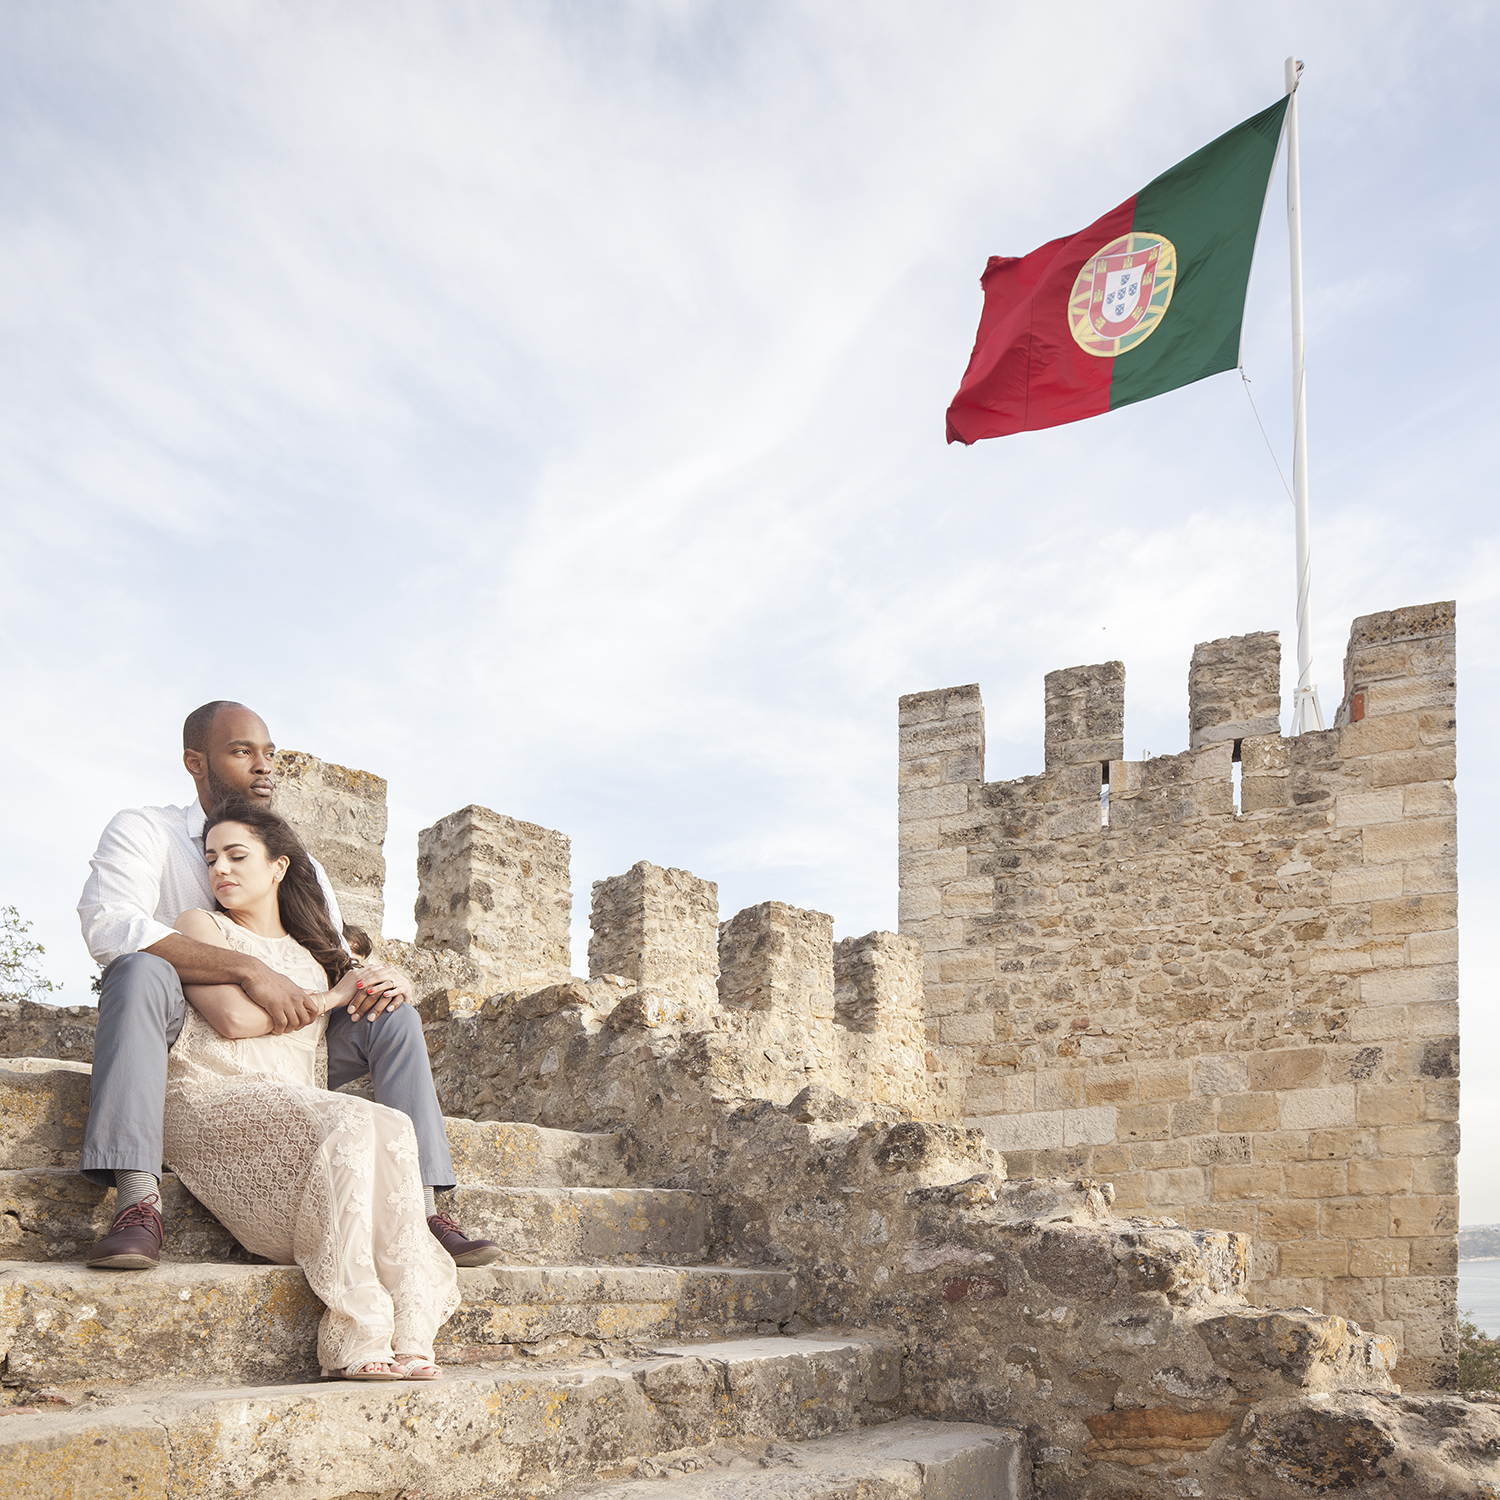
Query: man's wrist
247	970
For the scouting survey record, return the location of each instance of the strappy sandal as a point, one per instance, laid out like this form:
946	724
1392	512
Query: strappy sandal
416	1368
371	1369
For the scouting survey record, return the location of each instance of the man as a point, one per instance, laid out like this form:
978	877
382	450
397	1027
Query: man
148	869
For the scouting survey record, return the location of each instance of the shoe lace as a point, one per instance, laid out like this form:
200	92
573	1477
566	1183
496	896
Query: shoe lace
143	1211
448	1222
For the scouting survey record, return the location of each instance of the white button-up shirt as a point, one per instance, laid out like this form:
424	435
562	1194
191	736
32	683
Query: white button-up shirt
149	869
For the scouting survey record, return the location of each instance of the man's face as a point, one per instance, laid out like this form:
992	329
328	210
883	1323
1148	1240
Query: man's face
240	756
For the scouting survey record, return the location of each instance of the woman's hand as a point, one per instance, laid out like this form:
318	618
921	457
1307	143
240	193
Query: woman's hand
378	987
344	991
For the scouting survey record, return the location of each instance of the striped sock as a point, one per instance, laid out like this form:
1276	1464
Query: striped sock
429	1197
131	1187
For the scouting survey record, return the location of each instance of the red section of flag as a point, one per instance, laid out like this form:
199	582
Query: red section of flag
1026	370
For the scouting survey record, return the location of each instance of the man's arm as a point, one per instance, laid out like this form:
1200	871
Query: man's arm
286	1005
233	1015
120	897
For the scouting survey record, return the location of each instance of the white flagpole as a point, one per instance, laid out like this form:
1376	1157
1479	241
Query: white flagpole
1307	712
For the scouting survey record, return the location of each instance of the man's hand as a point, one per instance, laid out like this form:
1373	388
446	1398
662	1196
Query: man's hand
380	988
289	1006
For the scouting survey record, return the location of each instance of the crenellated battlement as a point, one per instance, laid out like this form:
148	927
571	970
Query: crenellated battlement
1245	1017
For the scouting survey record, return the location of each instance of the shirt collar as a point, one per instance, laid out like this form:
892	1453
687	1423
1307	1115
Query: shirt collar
195	817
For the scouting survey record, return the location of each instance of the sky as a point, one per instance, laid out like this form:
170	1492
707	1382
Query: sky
541	405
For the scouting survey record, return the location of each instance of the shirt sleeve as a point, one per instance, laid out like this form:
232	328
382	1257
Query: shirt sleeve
118	907
334	915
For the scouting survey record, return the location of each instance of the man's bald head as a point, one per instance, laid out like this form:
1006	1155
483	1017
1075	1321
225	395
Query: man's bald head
227	750
199	724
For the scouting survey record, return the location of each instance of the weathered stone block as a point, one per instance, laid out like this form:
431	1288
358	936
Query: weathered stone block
1258	1111
1406	767
341	816
1377	1257
1144	1122
496	890
971	1029
1163	1082
1287	1068
1085	715
658	928
775	957
1318	1108
1379	1177
1177	1185
1292	1220
1420	1216
1314	1258
1234	688
1393	1104
1361	809
1433	947
1060	1090
1354	1219
1415	913
1316	1179
877	983
1219	1075
29	1029
1419	1140
1253	1182
1435	1257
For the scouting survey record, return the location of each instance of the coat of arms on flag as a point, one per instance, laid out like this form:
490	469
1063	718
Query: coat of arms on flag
1122	293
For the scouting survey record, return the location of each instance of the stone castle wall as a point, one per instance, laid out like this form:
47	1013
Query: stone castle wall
340	814
1244	1018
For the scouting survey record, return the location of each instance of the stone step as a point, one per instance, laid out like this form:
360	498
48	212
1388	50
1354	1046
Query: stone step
502	1153
908	1459
257	1323
44	1105
54	1214
584	1226
475	1433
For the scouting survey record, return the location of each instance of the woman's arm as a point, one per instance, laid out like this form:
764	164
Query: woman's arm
226	1007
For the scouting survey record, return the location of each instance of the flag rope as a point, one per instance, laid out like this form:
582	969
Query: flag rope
1245	380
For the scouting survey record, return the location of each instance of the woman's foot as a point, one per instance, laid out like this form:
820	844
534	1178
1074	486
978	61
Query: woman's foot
372	1369
416	1367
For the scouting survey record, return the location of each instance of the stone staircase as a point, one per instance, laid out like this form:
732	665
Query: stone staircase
604	1356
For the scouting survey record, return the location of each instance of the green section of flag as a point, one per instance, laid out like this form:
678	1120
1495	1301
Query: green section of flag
1209	206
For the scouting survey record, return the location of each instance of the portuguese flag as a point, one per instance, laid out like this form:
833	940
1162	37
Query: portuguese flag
1145	299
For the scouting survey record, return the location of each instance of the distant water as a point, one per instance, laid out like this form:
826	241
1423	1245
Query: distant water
1479	1293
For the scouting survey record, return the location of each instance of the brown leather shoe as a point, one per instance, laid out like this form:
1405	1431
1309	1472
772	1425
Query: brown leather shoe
465	1252
134	1239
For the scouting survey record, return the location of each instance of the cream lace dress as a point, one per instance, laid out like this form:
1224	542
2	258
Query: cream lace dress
298	1174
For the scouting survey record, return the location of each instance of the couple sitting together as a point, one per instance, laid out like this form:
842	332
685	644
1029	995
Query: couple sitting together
230	1007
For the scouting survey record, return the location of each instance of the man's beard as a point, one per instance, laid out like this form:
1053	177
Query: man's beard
220	792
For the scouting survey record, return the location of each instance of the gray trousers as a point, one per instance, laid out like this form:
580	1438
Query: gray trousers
141	1011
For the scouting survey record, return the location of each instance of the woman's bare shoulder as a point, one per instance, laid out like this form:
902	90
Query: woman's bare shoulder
202	926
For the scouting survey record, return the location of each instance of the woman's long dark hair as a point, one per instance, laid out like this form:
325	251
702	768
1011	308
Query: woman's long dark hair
304	912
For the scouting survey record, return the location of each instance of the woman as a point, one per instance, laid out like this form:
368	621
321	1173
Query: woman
295	1173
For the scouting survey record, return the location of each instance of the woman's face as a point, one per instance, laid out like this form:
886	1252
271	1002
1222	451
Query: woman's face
240	871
